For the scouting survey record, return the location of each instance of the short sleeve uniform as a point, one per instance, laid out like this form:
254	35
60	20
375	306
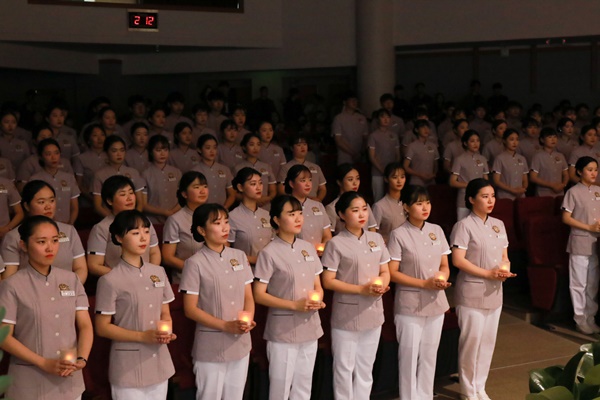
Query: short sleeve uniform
453	150
273	155
161	188
423	158
42	310
386	145
354	129
197	132
172	119
356	261
566	146
184	161
584	205
68	145
389	214
219	180
16	150
178	230
318	179
266	173
100	243
491	150
419	251
467	167
9	197
484	243
315	220
582	151
528	147
289	272
31	166
134	297
6	169
66	189
136	160
550	167
219	280
214	123
86	165
250	230
336	223
108	171
511	167
230	156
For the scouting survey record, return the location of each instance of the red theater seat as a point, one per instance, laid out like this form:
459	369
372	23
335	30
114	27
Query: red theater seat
443	206
527	208
504	210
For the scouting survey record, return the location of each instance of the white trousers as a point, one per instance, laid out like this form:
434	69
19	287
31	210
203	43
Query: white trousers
583	285
291	368
354	353
478	330
377	184
418	342
221	380
152	392
462	212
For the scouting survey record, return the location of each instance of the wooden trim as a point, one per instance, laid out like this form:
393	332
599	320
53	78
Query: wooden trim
166	6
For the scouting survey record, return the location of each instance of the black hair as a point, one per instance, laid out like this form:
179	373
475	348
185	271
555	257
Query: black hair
112	185
292	174
342	170
497	122
112	139
137	126
580	106
349	94
562	122
582	162
87	133
36	131
199	107
156	141
136	98
44	143
297	138
126	221
420	123
247	138
32	188
344	202
239	107
391	168
458	110
186	180
473	187
385	97
205	138
154	109
467	135
412	194
529	122
457	123
179	127
103	110
585	129
51	107
243	175
215	95
547	131
175	97
421	112
381	112
202	215
30	223
277	205
5	112
228	123
508	132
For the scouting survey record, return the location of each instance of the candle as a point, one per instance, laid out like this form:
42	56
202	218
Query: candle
314	295
505	266
440	277
69	355
320	247
377	281
165	326
244	316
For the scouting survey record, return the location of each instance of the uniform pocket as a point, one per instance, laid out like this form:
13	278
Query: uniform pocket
472	289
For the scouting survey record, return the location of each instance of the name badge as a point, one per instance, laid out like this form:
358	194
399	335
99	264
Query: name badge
159	284
307	256
313	171
239	267
596	198
18	149
63	239
376	248
238	155
66	144
4	191
502	236
266	225
275	154
67	293
172	177
236	265
317	211
436	243
66	189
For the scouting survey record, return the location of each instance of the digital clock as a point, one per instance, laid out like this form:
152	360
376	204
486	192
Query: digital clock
143	20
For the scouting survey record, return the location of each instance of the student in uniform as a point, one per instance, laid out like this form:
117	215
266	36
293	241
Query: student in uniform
218	297
348	179
549	170
238	115
182	156
384	148
107	118
176	105
455	147
529	142
230	151
114	146
39	198
200	114
162	181
41	366
137	108
178	243
587	147
118	194
316	227
94	159
11	147
64	184
299	145
131	301
388	212
68	144
579	212
11	212
495	146
250	227
157	121
349	130
567	141
421	156
355	266
479	247
251	146
216	101
419	267
286	275
137	156
469	165
218	175
510	168
270	152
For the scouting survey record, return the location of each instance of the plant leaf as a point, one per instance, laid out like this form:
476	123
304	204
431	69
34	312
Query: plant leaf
596	352
4	383
555	393
567	379
586	363
540	380
593	376
583	391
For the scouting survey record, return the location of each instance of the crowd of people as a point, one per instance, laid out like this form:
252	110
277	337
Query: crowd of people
243	225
